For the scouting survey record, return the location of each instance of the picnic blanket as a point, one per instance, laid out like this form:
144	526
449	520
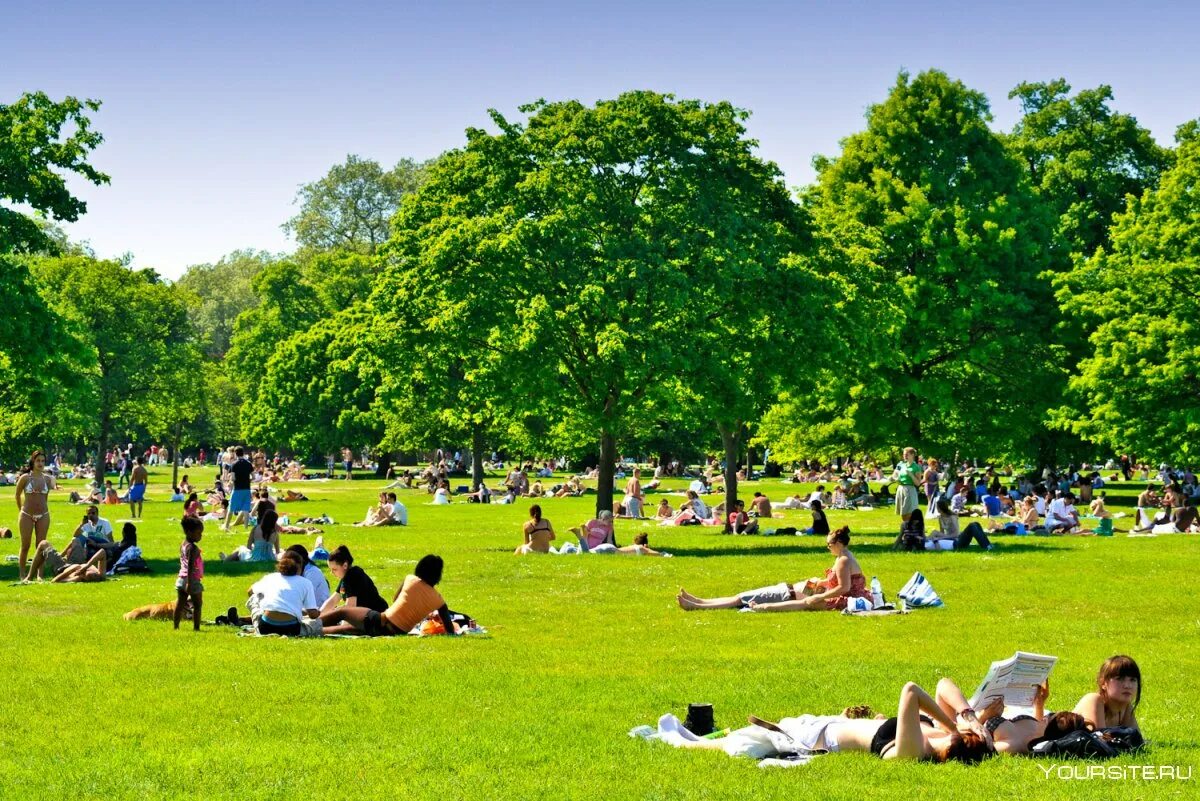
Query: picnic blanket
771	748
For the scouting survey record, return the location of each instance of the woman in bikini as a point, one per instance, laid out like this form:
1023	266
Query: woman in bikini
843	581
924	729
538	533
33	490
1119	691
1018	734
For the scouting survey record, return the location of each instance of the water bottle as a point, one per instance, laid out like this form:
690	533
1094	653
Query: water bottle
876	592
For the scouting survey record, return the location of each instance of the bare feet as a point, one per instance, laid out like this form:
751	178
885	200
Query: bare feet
686	603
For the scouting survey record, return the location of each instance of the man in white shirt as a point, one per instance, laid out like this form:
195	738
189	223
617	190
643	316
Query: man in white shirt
95	527
698	486
1061	514
399	510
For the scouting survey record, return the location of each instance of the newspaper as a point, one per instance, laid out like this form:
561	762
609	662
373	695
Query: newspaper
1015	679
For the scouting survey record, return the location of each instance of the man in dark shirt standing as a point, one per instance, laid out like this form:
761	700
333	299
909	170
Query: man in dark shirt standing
239	501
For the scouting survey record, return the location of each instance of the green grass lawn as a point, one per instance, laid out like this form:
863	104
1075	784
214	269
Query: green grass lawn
581	649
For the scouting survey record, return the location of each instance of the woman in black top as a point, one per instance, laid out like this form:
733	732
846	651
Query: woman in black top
354	587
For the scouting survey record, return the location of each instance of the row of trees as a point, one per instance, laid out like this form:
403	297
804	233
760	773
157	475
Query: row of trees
632	275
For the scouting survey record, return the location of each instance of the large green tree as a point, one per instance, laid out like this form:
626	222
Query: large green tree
34	151
1083	157
1139	388
942	242
590	245
45	364
350	207
147	366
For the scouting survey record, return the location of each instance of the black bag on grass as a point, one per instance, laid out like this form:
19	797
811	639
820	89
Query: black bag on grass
1102	744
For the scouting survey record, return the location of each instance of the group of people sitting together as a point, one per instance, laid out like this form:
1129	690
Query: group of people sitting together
594	536
943	727
295	599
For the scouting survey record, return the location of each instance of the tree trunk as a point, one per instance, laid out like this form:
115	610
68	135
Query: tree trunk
749	461
175	455
729	439
477	446
101	447
604	486
383	465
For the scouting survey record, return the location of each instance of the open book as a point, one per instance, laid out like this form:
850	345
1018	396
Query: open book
1015	679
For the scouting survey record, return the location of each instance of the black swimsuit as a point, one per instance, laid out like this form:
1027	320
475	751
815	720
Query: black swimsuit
994	723
886	734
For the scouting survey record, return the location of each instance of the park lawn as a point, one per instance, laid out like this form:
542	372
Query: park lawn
581	649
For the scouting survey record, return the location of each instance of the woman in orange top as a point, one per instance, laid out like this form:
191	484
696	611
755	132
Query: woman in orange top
415	599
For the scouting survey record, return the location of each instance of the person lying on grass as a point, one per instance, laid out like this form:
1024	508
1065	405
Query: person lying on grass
538	533
640	547
1016	735
60	567
415	599
1118	693
354	588
923	729
843	581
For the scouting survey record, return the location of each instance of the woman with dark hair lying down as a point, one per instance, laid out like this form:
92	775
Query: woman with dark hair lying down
923	729
843	581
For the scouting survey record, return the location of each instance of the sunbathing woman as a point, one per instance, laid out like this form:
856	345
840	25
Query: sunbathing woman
1119	691
1018	734
843	581
33	499
538	533
941	734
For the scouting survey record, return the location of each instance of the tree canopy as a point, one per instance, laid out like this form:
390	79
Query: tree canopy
40	139
351	206
1139	389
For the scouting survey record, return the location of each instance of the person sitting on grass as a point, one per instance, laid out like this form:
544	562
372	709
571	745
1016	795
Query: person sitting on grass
190	581
354	587
820	523
263	543
596	531
1098	508
538	533
760	505
738	522
843	581
283	598
441	496
923	730
380	514
665	512
1061	517
191	507
1118	693
310	571
948	528
415	599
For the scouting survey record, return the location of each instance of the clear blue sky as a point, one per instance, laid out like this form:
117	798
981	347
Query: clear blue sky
214	112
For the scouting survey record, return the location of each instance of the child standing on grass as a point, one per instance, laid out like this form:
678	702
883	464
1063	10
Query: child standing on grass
191	571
